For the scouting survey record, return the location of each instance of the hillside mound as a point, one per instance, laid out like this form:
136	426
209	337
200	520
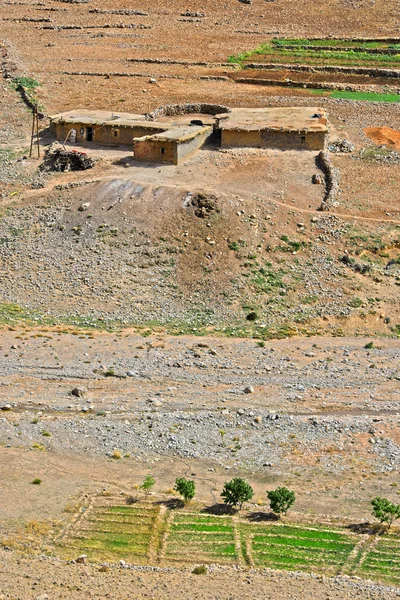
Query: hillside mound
384	136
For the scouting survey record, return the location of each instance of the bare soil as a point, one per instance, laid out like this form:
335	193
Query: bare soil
384	136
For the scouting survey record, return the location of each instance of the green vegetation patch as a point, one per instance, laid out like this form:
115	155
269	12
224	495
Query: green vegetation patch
301	547
365	96
125	531
382	560
211	538
323	52
139	534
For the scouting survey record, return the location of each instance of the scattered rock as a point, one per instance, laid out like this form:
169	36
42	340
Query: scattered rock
78	392
341	146
81	560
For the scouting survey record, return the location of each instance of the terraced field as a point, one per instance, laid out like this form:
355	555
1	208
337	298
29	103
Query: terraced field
203	538
151	533
114	532
300	548
381	561
324	52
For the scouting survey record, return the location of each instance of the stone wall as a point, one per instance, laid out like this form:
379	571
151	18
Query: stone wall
332	180
171	110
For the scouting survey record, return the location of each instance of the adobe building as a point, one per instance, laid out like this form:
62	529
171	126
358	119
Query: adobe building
172	146
172	136
102	127
300	128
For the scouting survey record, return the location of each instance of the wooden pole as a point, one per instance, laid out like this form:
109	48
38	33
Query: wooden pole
37	132
33	130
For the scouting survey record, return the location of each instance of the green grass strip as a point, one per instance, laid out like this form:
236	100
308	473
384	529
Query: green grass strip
286	530
365	96
303	543
201	527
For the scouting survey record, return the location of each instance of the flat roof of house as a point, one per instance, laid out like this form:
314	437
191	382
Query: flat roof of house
181	134
284	119
101	117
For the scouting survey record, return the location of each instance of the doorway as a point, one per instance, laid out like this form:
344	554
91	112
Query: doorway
89	134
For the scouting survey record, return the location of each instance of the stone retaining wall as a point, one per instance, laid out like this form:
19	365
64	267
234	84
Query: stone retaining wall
369	71
171	110
332	180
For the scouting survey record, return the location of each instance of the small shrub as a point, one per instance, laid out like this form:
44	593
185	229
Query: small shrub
36	446
36	481
201	570
116	454
186	488
46	434
252	316
236	492
147	484
385	511
109	373
281	500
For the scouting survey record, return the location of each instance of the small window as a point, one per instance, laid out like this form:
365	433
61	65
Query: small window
303	138
82	130
162	151
116	132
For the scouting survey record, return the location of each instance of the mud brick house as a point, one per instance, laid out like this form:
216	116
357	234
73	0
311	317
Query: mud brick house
289	128
172	146
172	138
102	127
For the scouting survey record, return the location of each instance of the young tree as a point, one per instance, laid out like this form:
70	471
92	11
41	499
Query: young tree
186	488
147	484
385	511
236	492
281	500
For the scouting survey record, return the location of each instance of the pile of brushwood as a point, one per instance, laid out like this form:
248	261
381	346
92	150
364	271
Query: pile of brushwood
59	158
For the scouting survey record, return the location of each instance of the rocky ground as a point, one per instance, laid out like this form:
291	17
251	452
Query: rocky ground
44	579
298	413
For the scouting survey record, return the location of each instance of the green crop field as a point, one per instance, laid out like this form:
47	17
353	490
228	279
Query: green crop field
381	561
203	538
108	533
150	533
301	548
323	52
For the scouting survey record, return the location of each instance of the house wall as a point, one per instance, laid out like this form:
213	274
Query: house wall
103	134
173	151
282	140
152	150
187	148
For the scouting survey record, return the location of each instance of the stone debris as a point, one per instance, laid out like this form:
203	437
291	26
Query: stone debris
343	146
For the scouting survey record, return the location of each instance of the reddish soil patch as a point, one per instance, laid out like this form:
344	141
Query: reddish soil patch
383	136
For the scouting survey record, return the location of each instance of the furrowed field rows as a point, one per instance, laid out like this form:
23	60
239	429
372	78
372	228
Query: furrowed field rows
325	52
123	531
151	534
302	548
205	538
382	561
